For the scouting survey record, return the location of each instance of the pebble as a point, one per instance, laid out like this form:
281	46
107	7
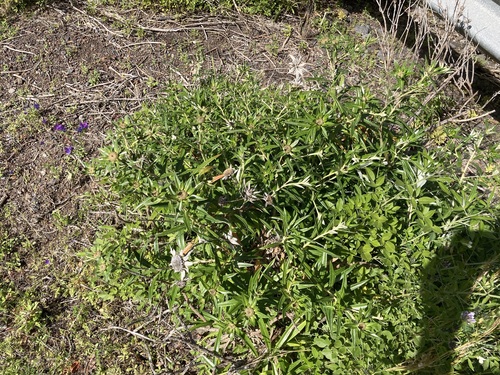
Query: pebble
363	30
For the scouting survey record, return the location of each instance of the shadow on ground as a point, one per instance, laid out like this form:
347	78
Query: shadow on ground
450	292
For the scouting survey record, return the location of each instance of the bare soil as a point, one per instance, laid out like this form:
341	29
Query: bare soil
97	68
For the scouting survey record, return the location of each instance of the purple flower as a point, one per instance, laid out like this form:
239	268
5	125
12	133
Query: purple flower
47	262
44	121
469	317
82	127
36	106
60	127
68	149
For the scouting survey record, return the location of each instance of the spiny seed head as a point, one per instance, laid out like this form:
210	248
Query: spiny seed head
268	199
249	312
112	156
182	195
287	149
248	193
177	263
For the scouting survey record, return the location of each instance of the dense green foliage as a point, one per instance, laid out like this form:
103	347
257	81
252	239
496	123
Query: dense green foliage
314	251
263	7
327	231
14	6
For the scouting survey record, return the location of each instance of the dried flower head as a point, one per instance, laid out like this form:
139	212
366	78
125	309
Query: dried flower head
268	199
112	156
298	69
249	193
224	175
182	195
179	262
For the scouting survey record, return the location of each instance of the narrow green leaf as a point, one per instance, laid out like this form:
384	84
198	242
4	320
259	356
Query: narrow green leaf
250	344
426	200
265	333
371	175
358	284
289	334
200	169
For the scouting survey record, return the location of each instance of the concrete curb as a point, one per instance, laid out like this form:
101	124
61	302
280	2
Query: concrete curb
478	19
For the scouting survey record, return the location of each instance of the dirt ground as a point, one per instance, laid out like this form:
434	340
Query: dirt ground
65	66
75	68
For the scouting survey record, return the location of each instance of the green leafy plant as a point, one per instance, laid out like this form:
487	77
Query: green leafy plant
94	77
13	6
297	223
263	7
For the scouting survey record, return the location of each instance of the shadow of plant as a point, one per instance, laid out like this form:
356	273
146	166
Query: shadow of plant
459	292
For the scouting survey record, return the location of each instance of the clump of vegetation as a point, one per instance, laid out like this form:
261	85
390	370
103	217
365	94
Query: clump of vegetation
295	231
263	7
343	228
14	6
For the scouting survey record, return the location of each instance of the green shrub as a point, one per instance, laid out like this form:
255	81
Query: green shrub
308	253
12	6
263	7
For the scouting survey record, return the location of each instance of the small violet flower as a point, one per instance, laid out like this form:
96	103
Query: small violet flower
47	262
468	317
68	149
36	106
59	127
82	127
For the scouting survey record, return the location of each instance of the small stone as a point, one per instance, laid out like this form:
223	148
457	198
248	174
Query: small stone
12	90
363	30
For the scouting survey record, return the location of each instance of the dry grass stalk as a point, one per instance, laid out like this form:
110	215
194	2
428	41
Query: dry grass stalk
396	26
413	24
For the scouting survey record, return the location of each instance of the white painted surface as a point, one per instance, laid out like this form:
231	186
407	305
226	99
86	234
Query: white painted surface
479	19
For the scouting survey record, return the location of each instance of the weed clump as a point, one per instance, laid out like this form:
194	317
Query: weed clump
307	216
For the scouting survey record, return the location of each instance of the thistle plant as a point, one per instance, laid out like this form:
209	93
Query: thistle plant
313	213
